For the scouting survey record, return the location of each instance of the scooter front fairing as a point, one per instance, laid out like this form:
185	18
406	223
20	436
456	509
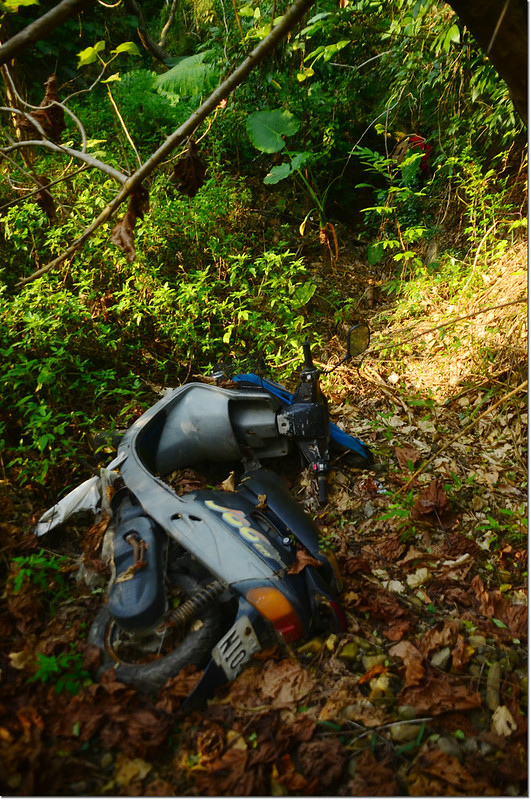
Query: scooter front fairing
337	436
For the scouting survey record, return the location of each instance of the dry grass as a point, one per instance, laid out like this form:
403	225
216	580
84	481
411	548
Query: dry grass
455	345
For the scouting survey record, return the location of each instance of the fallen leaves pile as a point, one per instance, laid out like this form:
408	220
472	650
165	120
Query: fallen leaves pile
424	695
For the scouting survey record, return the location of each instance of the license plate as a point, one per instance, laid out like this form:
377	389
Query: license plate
236	647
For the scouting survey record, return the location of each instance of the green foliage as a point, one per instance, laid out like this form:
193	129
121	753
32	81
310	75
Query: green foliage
197	292
44	572
266	130
12	6
510	527
65	671
190	77
398	219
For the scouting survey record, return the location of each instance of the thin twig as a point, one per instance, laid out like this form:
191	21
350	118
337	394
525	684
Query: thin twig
460	434
379	728
77	121
124	126
476	257
49	185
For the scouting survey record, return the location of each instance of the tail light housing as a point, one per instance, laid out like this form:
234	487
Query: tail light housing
275	606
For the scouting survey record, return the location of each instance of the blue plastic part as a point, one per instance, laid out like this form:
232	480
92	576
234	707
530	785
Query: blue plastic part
336	434
138	602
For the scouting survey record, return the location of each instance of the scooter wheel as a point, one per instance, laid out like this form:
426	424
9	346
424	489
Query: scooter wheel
193	648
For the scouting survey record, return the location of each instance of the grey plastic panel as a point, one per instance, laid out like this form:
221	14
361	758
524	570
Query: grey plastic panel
197	428
195	528
198	422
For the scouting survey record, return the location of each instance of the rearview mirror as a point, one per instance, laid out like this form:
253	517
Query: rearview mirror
358	339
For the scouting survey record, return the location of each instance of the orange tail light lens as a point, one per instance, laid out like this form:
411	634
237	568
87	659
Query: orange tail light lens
275	607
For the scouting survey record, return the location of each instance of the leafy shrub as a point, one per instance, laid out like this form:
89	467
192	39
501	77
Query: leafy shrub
77	347
148	114
65	671
41	570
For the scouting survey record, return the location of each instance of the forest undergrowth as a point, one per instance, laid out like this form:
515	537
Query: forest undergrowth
426	693
372	168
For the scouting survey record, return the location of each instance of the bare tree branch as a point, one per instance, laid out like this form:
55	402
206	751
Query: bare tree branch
288	21
41	28
69	151
169	22
156	50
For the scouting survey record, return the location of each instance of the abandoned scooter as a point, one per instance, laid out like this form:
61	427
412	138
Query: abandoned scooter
212	576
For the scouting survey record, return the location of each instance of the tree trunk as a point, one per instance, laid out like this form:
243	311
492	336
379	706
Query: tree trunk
500	29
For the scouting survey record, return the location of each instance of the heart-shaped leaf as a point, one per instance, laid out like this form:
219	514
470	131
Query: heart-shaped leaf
266	129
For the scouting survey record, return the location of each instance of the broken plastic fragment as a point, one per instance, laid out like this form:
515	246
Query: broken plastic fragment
85	497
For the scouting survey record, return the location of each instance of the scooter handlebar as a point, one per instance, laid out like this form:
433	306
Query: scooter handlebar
308	361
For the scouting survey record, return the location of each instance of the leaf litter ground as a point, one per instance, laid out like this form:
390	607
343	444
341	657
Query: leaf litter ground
424	695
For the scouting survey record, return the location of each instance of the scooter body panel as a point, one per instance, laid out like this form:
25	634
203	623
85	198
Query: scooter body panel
198	422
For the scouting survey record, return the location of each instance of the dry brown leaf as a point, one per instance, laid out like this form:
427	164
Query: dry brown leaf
433	501
347	702
413	555
50	117
229	484
158	788
498	606
229	776
300	729
461	653
93	539
356	564
444	634
284	774
285	682
122	235
323	759
438	693
189	171
383	605
406	455
262	503
176	689
91	655
303	559
373	777
44	197
448	774
503	722
405	650
457	544
246	691
389	548
21	659
210	741
455	570
378	669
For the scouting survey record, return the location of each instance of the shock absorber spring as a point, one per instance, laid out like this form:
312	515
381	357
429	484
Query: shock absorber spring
181	616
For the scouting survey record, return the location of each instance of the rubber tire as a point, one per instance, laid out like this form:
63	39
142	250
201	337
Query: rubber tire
194	649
